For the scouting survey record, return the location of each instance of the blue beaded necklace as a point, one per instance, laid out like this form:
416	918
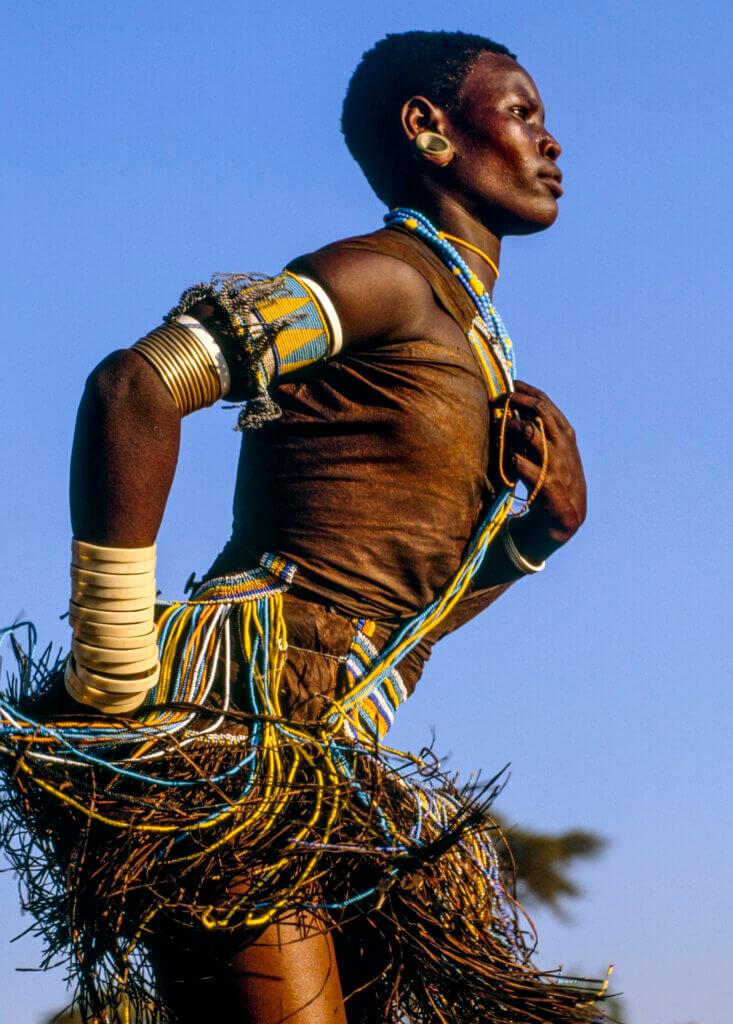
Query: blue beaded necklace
487	313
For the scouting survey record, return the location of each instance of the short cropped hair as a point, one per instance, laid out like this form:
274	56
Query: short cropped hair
405	64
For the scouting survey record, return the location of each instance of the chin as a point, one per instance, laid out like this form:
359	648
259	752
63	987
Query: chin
528	224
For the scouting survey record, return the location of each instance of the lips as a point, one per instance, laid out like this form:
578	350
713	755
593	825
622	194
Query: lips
553	181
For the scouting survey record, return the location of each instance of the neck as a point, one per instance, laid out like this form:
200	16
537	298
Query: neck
449	216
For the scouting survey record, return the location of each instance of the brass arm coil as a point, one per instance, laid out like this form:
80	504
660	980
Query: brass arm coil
183	364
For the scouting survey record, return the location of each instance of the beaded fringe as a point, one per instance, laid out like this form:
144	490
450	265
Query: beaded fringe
235	296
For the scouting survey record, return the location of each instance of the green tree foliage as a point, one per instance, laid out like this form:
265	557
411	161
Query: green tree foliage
542	861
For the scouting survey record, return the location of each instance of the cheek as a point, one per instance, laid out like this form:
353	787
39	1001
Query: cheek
520	151
509	164
489	178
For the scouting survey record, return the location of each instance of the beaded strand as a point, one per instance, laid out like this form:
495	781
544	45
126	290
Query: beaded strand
425	230
418	223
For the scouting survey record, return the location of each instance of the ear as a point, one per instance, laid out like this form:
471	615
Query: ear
418	116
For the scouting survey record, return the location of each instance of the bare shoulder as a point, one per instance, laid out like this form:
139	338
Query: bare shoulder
375	295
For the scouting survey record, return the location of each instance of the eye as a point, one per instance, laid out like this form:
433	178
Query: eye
520	111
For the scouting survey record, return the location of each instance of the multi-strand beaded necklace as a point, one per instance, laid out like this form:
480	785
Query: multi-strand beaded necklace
488	321
492	346
488	336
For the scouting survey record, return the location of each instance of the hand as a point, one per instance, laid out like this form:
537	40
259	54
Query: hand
559	508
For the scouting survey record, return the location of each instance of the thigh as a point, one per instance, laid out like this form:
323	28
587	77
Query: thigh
366	957
288	974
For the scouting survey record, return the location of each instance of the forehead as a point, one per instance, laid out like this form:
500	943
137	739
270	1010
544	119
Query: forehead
494	77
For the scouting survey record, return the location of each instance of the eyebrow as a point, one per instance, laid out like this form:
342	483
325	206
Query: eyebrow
522	91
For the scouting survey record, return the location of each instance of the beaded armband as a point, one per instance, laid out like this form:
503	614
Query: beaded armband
309	330
266	328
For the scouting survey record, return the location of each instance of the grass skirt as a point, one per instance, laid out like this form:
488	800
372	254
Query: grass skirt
227	821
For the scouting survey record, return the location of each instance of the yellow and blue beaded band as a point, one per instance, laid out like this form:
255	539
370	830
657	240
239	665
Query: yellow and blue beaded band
303	327
311	330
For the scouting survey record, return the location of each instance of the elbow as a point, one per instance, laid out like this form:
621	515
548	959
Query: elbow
124	383
122	375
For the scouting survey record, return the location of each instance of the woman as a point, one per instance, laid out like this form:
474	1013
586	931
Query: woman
374	497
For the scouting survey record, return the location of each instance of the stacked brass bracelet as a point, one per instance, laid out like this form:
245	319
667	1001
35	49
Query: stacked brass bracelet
114	652
189	362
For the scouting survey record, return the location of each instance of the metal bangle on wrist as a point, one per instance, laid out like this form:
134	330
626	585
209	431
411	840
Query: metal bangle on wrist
520	563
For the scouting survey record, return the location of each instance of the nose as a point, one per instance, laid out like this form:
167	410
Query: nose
549	147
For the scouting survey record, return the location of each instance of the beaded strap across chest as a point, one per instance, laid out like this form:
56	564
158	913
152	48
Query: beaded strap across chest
377	690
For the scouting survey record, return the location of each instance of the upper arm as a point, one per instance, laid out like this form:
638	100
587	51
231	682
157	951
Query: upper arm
376	296
239	333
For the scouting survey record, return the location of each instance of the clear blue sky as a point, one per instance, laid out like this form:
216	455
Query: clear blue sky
150	144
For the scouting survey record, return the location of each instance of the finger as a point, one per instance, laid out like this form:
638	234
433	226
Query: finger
533	406
522	387
527	470
525	437
528	410
543	401
520	433
527	389
525	397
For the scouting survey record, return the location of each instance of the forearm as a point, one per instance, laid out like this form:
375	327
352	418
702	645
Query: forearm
496	570
531	544
124	455
122	466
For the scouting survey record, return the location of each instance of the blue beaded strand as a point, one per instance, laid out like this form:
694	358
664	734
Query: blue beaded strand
421	226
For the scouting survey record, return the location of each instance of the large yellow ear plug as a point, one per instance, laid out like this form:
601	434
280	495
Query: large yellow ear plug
434	144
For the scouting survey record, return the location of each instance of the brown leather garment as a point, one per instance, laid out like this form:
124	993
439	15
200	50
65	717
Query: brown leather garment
317	644
375	478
